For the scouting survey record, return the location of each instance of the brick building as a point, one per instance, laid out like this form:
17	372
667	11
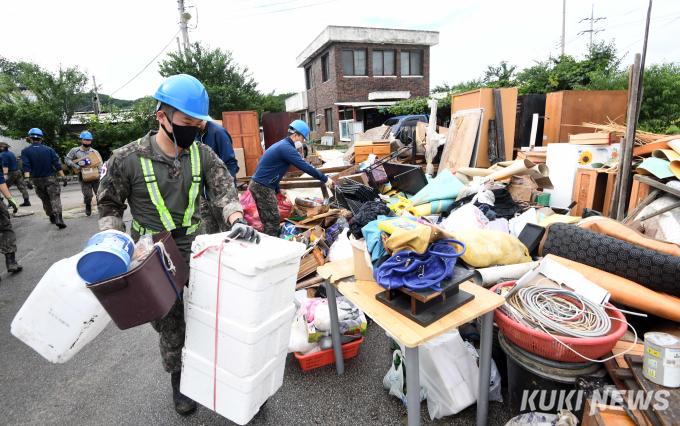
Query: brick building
350	71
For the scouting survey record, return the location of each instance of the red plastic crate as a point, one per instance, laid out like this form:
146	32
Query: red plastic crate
321	358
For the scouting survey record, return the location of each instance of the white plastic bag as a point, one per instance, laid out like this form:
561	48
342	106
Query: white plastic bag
495	384
394	379
563	418
466	218
341	248
299	338
449	375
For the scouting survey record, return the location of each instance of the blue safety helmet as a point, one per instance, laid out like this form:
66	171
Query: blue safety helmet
185	93
86	135
35	131
301	127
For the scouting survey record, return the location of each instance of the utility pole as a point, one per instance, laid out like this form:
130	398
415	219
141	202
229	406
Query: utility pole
97	105
564	21
592	21
183	24
179	48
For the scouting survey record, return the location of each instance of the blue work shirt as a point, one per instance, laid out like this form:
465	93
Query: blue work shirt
9	160
217	138
276	161
39	160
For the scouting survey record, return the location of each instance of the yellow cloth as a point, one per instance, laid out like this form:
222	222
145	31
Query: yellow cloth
415	239
487	247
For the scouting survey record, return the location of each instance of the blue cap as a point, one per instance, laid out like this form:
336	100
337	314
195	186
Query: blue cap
300	127
86	135
35	131
186	94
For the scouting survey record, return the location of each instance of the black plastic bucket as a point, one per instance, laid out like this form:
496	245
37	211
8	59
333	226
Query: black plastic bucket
544	385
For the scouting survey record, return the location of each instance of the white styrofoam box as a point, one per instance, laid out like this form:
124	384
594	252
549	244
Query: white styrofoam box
252	260
252	307
242	351
61	315
238	398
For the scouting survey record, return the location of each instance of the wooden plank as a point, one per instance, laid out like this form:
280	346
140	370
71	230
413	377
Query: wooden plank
620	384
604	415
362	294
500	132
622	346
657	184
300	185
611	182
670	415
243	127
651	197
461	141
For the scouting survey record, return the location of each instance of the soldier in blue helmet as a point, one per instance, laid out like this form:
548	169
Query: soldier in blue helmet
87	187
161	176
40	162
273	165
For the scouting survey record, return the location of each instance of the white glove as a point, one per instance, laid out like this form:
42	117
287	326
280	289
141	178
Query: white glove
330	184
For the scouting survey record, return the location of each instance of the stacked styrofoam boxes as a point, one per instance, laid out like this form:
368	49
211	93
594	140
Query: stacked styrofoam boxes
256	308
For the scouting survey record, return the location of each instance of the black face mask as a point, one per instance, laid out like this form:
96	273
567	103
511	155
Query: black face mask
86	145
182	135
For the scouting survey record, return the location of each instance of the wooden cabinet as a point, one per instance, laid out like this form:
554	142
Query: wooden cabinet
638	193
363	149
589	191
245	133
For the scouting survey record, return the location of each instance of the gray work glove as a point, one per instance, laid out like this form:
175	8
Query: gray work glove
29	185
64	181
248	233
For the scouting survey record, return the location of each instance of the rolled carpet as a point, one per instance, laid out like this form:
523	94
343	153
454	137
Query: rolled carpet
625	291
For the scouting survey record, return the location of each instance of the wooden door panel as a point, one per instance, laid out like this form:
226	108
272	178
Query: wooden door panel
252	147
245	132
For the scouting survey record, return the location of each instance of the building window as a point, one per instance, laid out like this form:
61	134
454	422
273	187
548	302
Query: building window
354	62
308	77
383	62
325	68
303	116
411	63
329	119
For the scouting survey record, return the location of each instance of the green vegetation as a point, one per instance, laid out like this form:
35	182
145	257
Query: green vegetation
600	69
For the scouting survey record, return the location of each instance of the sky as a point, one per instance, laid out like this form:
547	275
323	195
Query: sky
114	41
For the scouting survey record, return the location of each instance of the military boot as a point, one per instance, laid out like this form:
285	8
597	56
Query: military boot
88	209
26	203
11	262
183	404
59	221
53	218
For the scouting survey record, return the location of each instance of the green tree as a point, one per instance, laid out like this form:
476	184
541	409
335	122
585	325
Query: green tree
229	86
500	76
464	86
56	97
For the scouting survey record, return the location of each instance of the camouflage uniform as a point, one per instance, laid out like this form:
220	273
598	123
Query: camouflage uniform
213	220
123	180
88	188
17	178
47	189
8	241
267	207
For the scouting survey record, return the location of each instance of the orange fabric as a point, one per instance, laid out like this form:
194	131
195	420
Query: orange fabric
627	292
613	228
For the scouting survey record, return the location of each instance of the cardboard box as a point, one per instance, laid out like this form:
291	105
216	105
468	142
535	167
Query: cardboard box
362	272
358	177
90	173
92	160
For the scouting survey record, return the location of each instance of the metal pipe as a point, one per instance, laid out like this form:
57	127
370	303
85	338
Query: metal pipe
335	328
484	368
413	386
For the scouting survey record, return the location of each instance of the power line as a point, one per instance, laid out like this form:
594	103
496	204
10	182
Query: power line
255	7
147	65
651	32
275	11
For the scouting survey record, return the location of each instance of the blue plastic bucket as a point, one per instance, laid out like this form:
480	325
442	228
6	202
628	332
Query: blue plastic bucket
106	255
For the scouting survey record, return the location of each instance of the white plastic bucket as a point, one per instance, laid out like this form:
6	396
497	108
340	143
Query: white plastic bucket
106	255
61	315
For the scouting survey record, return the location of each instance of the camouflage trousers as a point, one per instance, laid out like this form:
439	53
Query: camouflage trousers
16	178
267	207
171	331
212	218
48	191
8	241
89	189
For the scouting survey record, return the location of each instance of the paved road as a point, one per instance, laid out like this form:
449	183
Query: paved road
118	379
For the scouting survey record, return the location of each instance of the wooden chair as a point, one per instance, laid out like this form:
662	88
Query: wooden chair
314	160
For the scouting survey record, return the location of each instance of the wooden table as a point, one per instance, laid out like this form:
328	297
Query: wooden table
412	335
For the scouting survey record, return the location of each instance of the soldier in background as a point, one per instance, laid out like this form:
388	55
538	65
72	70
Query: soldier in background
87	187
13	176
